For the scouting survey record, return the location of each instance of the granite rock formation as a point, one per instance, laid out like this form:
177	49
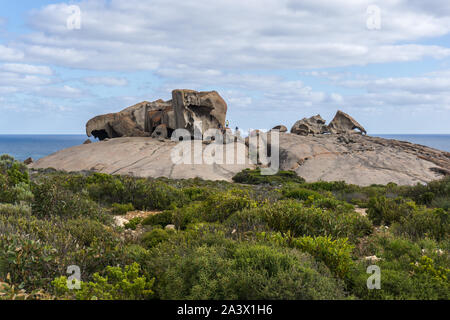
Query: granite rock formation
343	123
142	119
307	126
280	128
316	151
359	159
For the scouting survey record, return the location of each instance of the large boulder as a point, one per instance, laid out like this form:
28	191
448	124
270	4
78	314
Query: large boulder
129	122
141	120
190	106
308	126
343	123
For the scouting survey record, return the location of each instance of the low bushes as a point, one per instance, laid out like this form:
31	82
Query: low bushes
241	271
280	238
293	216
383	210
116	284
121	209
423	223
249	176
219	206
409	270
52	200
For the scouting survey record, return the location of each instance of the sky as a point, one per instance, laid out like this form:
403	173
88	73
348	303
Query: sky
385	62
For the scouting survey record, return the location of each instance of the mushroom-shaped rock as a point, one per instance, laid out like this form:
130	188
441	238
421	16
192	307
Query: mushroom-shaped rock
191	106
343	123
308	126
280	128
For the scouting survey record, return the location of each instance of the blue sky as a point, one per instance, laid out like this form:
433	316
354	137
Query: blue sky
273	61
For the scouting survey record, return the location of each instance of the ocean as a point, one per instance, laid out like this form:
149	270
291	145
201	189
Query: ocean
37	146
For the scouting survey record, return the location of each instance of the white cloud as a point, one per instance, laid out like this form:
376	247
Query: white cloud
10	54
59	92
7	90
22	81
106	81
264	34
26	69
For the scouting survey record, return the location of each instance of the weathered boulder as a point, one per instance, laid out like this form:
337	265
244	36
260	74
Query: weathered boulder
28	161
191	106
307	126
129	122
142	119
343	123
280	128
87	141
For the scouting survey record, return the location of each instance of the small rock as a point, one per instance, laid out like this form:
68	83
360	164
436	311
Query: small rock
372	258
87	141
280	128
170	227
120	221
28	161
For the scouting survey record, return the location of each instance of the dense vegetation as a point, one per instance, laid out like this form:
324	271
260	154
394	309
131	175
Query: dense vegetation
260	238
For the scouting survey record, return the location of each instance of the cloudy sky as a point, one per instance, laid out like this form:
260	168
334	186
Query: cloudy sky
274	61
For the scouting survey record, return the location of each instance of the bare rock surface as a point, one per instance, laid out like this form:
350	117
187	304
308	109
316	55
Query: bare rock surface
361	160
135	156
353	158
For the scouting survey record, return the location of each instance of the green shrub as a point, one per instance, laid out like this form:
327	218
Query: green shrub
122	209
52	200
27	261
247	220
197	193
243	271
425	194
433	223
300	193
219	206
16	171
11	292
336	254
133	223
87	231
11	210
154	237
116	284
382	210
249	176
293	216
162	219
162	196
190	213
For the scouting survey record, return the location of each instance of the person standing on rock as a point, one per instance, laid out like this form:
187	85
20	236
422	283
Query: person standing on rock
227	123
